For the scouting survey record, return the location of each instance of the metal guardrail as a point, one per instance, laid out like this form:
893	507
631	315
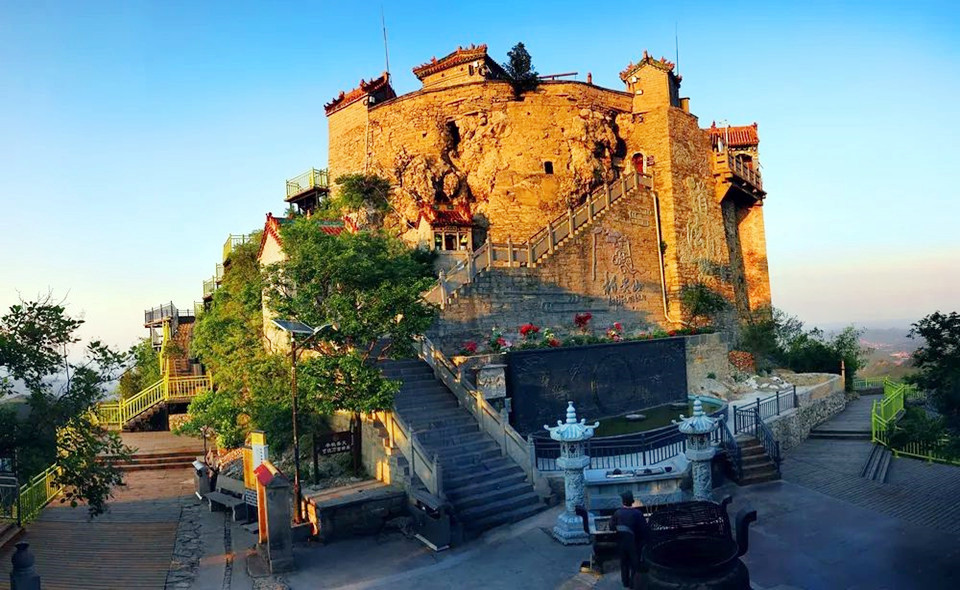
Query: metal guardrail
116	414
312	178
209	286
728	442
167	311
884	415
869	383
625	451
234	240
766	407
530	252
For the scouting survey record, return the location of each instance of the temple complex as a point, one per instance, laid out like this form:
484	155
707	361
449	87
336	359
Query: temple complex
472	164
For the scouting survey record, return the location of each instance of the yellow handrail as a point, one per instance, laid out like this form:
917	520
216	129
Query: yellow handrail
887	411
116	414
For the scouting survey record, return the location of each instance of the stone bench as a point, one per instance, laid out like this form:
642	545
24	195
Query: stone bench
229	495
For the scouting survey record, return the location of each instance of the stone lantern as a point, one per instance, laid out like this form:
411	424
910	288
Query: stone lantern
699	450
572	435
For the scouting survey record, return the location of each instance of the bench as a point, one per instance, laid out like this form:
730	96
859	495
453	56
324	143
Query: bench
229	494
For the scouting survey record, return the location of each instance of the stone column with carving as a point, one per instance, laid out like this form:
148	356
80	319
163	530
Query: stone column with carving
573	460
699	450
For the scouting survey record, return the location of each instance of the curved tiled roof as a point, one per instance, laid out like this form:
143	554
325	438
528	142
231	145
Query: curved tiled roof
661	64
364	89
460	56
739	136
272	229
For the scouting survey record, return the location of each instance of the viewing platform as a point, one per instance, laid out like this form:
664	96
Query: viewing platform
731	169
154	318
307	190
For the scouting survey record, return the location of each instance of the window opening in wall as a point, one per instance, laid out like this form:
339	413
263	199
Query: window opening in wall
454	133
451	239
638	162
548	167
470	69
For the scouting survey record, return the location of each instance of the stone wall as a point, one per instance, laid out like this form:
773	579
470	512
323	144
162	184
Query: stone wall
610	269
706	354
817	403
518	163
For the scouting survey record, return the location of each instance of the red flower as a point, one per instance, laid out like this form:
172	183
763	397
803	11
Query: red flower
554	343
470	347
582	320
672	333
528	330
501	341
618	326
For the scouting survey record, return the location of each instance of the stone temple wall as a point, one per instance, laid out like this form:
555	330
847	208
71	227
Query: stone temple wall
519	163
610	269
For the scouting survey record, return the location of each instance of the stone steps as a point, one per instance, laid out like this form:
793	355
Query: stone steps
756	465
485	488
837	434
877	464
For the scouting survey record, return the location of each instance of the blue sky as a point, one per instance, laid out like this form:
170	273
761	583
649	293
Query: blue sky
136	136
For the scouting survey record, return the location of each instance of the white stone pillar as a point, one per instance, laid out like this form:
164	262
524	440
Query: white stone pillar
572	436
699	450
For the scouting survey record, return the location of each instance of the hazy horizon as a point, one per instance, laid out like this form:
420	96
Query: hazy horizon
139	135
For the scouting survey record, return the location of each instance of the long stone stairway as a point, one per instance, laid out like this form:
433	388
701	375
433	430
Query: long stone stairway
485	488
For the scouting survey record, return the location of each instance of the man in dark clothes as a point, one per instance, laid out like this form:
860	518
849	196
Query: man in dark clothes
631	526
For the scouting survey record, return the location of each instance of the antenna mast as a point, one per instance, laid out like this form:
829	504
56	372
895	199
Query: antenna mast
676	41
386	53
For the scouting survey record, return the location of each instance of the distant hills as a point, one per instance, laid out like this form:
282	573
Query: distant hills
890	352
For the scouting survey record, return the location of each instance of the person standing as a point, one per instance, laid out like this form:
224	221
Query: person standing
632	533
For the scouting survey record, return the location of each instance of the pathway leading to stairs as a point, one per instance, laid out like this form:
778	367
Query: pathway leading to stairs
130	546
831	460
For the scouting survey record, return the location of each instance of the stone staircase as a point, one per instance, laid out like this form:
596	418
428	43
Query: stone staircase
757	465
485	488
877	464
179	362
839	434
159	461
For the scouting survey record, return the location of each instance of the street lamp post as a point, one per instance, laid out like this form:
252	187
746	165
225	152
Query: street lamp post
294	328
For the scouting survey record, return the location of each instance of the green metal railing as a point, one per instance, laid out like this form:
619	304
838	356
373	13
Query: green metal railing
883	420
312	178
869	382
37	493
233	240
117	414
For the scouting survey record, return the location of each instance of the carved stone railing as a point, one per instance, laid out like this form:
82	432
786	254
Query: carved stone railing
423	465
491	421
540	245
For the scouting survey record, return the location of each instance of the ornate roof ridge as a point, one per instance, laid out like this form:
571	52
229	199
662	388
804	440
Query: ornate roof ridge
461	55
363	89
662	64
735	135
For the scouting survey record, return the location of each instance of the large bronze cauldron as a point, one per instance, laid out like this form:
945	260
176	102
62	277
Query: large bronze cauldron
699	562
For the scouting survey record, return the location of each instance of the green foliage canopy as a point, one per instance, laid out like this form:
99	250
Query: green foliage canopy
519	68
938	362
55	424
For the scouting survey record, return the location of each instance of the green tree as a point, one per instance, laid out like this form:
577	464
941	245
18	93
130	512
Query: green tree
56	424
701	303
369	285
938	363
523	78
251	384
144	372
367	192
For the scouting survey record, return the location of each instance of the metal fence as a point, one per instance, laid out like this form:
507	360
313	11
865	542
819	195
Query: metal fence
774	405
312	178
32	496
625	451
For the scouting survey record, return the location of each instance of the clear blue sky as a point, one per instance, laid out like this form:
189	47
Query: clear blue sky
137	135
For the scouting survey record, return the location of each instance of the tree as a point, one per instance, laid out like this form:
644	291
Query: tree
938	363
367	193
701	303
56	424
523	78
252	385
144	372
369	285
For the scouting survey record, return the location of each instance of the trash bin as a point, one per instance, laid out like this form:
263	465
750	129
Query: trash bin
201	479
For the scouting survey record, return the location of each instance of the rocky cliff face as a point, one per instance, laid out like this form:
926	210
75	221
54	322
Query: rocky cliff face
515	162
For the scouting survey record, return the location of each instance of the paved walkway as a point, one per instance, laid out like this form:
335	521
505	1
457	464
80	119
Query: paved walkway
919	493
130	546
